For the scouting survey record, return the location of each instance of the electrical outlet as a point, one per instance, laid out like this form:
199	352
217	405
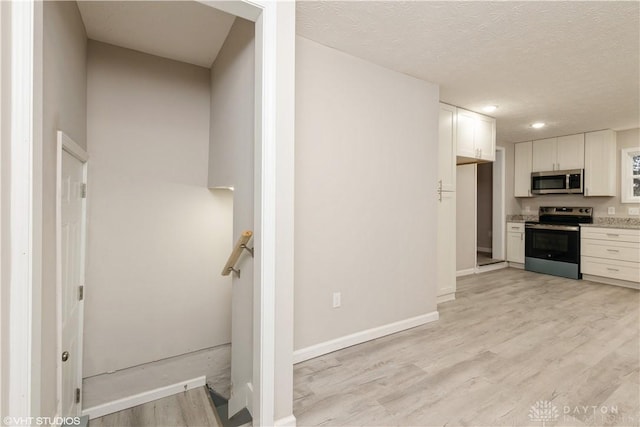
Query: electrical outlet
337	299
611	210
527	208
634	211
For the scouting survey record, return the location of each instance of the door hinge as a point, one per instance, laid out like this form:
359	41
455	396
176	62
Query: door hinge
77	395
83	190
80	293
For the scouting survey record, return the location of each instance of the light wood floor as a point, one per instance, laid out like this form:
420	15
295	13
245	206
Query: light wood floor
191	408
510	339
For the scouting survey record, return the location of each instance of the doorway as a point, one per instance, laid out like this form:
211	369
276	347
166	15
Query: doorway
490	211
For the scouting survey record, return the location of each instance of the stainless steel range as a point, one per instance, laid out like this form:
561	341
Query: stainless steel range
552	244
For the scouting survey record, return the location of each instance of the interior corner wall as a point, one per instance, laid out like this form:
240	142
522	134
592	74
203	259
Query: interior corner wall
485	205
64	108
365	207
158	237
466	217
231	164
512	206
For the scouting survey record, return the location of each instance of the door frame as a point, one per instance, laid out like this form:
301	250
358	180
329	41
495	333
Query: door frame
272	402
64	143
499	216
275	122
22	203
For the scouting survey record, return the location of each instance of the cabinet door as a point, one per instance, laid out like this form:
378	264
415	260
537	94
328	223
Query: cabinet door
522	170
485	137
515	247
570	152
544	155
600	163
447	148
447	245
465	127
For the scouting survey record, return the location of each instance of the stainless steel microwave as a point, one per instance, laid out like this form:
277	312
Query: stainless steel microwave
557	182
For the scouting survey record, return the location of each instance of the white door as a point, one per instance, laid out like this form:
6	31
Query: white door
485	137
465	130
515	247
447	203
522	170
71	232
544	155
570	152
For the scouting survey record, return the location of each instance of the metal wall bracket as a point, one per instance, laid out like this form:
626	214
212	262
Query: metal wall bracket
235	271
250	250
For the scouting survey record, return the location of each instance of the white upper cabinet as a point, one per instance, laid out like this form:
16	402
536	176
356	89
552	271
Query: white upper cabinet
447	148
522	169
476	137
570	152
465	139
600	163
544	154
562	153
485	137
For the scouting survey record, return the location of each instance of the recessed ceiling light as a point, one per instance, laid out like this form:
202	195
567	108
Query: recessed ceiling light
537	125
489	108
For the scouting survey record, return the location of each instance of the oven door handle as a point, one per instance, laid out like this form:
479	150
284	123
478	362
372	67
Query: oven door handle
553	227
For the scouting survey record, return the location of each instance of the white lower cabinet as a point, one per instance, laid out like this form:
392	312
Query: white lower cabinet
515	242
611	255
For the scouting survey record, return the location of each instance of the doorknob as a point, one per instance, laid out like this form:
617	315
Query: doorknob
65	356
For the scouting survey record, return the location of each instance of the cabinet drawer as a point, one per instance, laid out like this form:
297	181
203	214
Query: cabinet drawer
515	227
620	270
622	251
611	234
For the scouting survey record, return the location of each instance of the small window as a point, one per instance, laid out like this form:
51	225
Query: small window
630	174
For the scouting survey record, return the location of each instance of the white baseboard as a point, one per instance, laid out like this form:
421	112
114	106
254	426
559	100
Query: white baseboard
611	281
289	421
516	265
359	337
485	250
465	272
446	297
144	397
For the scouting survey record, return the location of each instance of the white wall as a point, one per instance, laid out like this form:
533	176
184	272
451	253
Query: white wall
365	202
625	139
64	108
158	237
465	217
231	164
5	108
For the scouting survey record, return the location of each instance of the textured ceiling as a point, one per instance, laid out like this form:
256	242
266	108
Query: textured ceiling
185	31
573	65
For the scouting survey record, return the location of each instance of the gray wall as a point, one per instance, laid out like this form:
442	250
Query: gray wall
365	207
466	217
158	237
485	205
231	164
625	139
64	108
